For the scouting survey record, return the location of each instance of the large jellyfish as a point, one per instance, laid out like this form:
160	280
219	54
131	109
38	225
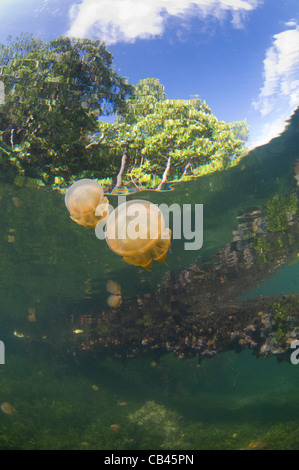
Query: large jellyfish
136	231
86	203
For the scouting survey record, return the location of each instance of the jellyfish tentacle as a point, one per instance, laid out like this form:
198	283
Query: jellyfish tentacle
87	220
145	260
160	249
102	210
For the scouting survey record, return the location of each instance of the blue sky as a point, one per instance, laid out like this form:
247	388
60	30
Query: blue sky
240	56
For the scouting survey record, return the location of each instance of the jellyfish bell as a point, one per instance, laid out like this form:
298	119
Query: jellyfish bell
7	408
113	287
136	231
86	203
114	301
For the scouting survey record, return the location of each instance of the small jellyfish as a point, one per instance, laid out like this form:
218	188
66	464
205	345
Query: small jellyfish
114	301
115	427
113	287
7	408
32	314
17	201
136	231
86	203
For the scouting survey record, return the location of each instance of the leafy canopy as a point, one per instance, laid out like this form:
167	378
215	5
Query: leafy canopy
54	94
170	140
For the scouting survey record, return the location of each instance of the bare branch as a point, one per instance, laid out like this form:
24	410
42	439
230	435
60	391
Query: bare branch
122	167
164	177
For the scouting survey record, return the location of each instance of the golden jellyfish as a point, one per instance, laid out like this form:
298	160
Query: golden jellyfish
136	231
115	299
32	314
113	287
86	203
115	427
7	408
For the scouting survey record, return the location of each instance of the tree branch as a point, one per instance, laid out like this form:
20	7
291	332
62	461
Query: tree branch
164	177
185	170
122	167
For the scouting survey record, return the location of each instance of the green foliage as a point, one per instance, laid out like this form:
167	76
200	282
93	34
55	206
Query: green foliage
279	214
54	94
171	140
279	211
147	93
263	249
281	314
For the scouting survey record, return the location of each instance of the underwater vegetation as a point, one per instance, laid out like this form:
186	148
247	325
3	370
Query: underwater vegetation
280	211
181	410
163	423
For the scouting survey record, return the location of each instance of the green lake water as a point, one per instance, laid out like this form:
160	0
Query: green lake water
66	399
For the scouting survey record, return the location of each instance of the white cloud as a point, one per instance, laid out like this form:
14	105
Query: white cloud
126	20
281	73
